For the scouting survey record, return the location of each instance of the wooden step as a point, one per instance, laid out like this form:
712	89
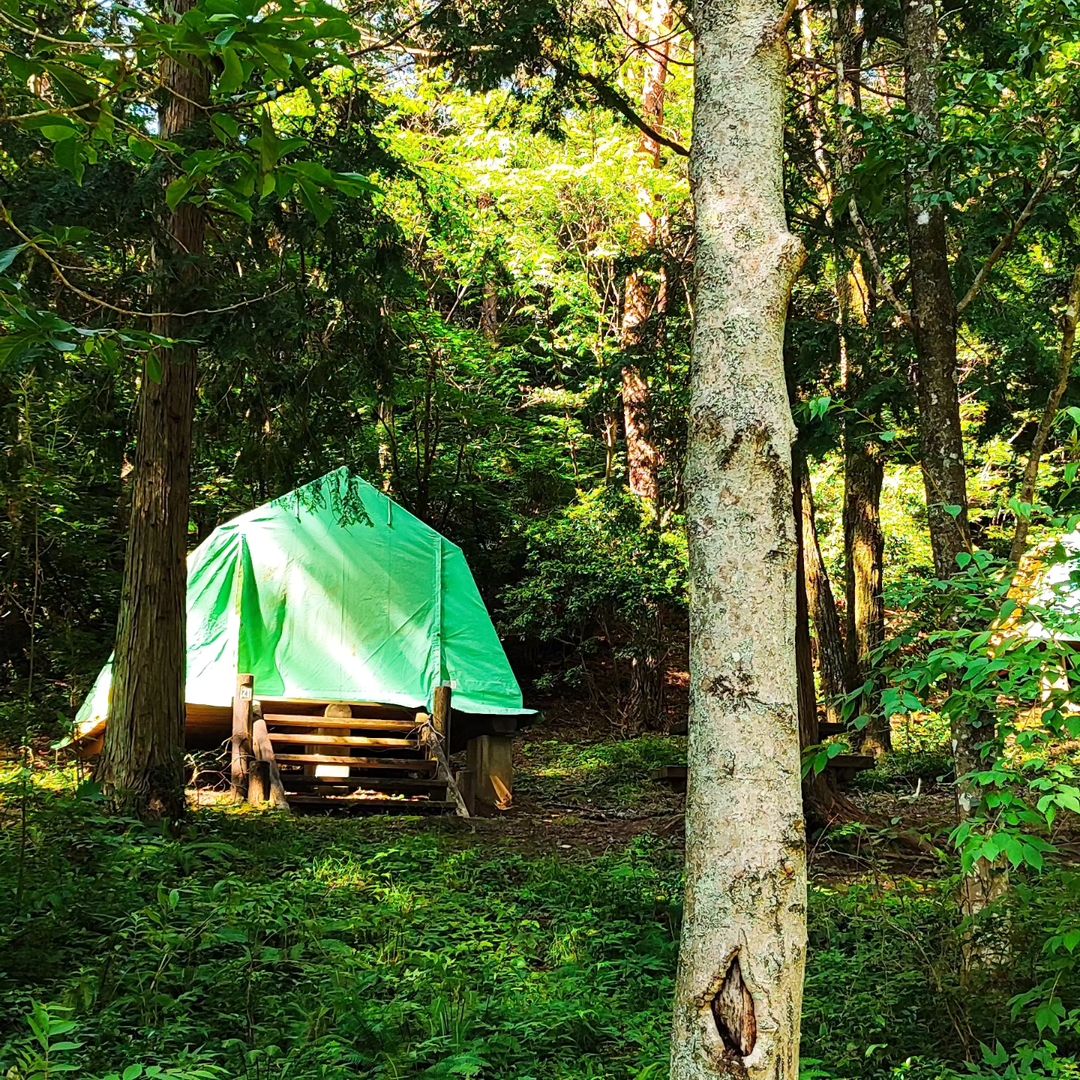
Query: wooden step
374	806
372	783
335	723
314	738
826	729
417	764
852	762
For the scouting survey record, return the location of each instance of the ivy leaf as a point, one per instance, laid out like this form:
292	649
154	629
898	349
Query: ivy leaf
8	256
175	192
232	75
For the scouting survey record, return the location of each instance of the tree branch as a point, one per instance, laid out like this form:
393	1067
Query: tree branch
58	271
610	97
1006	242
883	284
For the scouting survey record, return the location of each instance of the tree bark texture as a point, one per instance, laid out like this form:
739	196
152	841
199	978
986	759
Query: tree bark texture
640	300
738	992
141	768
1046	421
934	311
489	300
863	465
832	663
933	302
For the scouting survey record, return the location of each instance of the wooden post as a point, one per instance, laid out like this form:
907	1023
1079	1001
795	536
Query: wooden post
264	752
241	735
467	786
258	792
491	763
337	712
440	717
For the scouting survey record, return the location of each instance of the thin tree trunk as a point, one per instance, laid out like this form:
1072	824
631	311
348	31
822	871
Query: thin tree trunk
935	316
738	993
863	467
639	299
832	664
489	302
864	543
642	455
822	804
933	304
1046	422
141	768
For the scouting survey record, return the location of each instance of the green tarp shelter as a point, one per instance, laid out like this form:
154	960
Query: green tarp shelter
333	592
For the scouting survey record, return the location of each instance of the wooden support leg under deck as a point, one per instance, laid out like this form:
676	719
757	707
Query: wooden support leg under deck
335	712
490	763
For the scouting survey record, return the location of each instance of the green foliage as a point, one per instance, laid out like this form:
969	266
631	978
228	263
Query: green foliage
323	948
999	663
309	949
597	571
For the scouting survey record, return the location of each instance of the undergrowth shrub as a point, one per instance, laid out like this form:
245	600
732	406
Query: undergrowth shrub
266	948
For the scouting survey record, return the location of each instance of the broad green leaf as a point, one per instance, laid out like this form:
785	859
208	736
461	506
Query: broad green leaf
9	255
58	132
68	155
177	190
232	75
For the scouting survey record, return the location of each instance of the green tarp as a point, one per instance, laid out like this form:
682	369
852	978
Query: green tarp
335	593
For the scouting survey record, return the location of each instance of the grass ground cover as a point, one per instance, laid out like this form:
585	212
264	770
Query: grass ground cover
273	948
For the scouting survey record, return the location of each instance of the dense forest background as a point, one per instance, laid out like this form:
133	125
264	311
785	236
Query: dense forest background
451	246
495	329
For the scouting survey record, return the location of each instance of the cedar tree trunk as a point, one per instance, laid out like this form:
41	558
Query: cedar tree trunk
822	604
141	769
639	299
933	303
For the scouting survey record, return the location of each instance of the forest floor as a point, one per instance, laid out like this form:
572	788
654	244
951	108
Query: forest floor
540	945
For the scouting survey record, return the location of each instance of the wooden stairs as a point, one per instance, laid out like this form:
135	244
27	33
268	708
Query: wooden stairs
360	758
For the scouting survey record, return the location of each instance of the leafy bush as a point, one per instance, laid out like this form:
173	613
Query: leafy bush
602	579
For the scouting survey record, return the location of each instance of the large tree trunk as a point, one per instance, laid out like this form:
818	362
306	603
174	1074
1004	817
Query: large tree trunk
1046	422
832	663
141	768
639	299
933	303
738	993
